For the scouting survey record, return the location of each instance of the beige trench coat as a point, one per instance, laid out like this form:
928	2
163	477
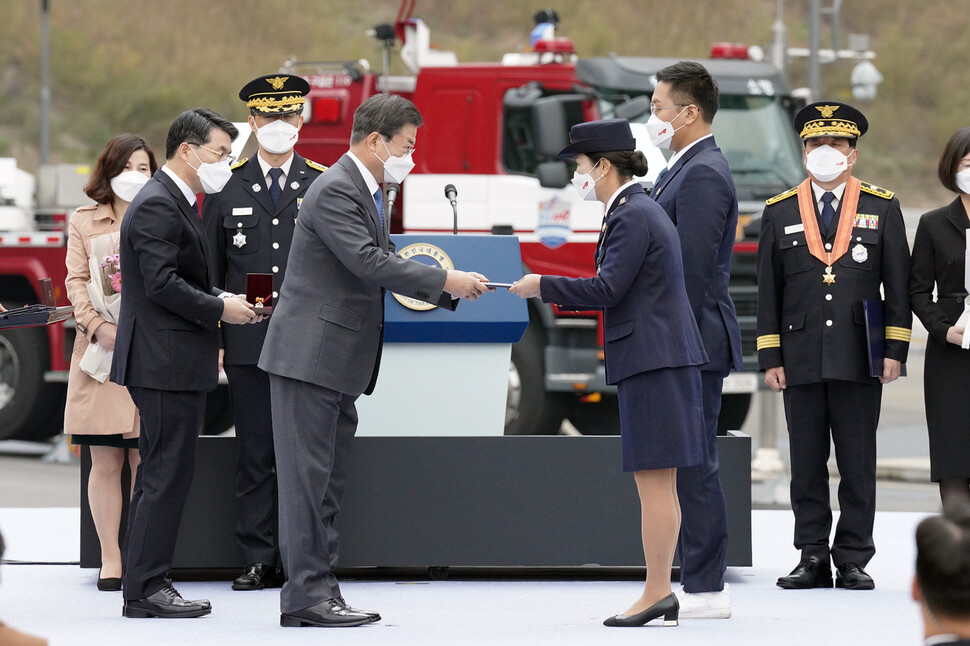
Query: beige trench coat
93	408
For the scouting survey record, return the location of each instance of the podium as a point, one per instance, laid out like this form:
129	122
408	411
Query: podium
446	373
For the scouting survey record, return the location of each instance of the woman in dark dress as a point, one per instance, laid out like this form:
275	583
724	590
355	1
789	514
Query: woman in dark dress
653	348
939	258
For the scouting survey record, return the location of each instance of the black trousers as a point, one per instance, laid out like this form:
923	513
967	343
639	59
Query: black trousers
170	423
848	413
702	544
257	523
313	429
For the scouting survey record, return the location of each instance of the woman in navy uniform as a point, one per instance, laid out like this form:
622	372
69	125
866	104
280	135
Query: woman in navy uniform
939	259
653	348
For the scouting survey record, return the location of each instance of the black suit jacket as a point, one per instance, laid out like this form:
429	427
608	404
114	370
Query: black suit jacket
815	330
939	259
698	194
168	329
249	235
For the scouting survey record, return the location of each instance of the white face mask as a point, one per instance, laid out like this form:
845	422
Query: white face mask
585	184
826	163
214	177
396	168
278	136
963	180
127	184
661	132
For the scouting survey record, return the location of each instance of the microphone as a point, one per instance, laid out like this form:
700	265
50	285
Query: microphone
392	189
451	193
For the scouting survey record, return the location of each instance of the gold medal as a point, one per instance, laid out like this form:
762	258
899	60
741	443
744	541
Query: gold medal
828	277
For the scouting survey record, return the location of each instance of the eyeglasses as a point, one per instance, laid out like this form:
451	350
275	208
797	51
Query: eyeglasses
227	156
408	150
655	108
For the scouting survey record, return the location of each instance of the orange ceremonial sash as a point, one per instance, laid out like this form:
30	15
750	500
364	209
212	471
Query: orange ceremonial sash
843	235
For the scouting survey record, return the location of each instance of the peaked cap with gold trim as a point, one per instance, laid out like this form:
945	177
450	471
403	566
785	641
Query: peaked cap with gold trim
830	119
275	94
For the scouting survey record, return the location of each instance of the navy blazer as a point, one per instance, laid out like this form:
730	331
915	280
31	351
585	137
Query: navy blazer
640	288
698	194
167	335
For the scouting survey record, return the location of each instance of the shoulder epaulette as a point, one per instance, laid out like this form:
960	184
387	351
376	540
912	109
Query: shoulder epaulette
781	196
877	191
240	163
89	207
315	166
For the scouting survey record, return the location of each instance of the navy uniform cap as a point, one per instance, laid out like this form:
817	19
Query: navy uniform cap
275	94
603	136
830	119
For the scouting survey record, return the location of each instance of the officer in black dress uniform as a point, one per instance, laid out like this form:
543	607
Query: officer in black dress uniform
826	246
250	225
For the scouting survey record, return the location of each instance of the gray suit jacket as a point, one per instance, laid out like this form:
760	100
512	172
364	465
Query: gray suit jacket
328	326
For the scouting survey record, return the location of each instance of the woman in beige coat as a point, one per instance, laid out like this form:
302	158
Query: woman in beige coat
99	413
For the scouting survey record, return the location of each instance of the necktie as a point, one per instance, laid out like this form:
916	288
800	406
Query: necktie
660	176
379	200
274	184
827	211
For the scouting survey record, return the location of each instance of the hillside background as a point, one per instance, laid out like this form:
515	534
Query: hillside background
133	65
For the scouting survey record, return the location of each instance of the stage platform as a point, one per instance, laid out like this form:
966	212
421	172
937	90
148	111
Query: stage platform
44	592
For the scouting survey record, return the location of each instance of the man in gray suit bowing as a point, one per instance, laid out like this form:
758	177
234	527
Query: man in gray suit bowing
323	347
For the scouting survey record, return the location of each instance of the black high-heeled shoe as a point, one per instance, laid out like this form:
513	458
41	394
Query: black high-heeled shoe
668	607
111	584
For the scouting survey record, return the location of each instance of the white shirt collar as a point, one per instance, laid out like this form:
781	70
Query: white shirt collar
618	191
819	192
265	167
940	639
680	153
186	191
369	179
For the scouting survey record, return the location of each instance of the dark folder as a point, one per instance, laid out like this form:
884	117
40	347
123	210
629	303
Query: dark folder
876	337
32	315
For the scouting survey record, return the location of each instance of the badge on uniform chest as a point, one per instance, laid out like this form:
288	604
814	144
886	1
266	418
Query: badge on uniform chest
860	253
239	240
828	277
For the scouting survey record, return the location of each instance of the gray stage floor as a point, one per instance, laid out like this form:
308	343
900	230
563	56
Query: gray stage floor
42	593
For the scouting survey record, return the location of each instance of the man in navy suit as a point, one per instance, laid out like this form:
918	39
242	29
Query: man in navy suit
167	346
697	192
942	582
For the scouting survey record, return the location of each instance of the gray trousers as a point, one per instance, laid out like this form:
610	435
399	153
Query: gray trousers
313	430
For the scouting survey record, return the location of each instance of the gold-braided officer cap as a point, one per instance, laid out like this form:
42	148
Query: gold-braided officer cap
830	119
275	94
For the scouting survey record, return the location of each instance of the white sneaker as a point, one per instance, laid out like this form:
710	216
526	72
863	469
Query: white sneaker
704	605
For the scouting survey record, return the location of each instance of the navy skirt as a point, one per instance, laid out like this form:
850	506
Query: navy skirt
662	419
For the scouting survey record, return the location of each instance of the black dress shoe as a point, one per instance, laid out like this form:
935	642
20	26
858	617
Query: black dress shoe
259	576
167	603
852	577
370	613
111	584
331	613
810	573
668	607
